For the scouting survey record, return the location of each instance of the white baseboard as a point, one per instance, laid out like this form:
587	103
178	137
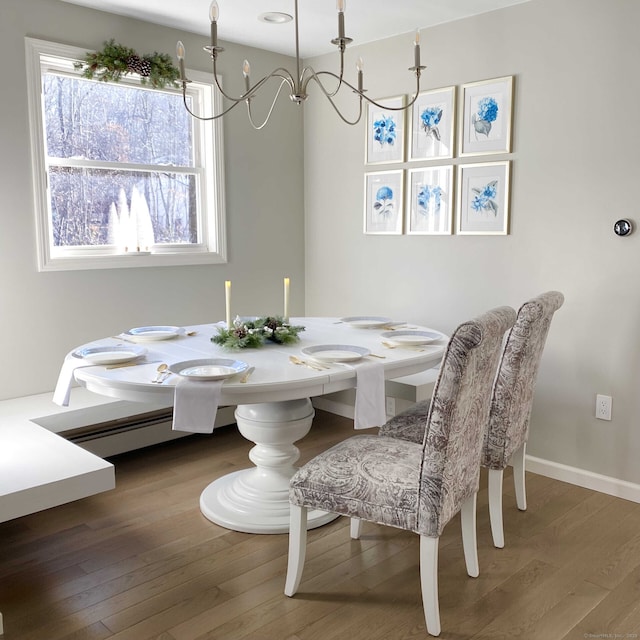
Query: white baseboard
583	478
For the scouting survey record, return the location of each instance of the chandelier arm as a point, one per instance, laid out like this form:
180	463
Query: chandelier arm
362	95
311	73
207	118
273	104
280	72
329	97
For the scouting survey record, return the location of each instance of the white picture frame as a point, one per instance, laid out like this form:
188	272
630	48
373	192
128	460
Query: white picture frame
485	124
429	207
433	116
385	132
383	200
483	198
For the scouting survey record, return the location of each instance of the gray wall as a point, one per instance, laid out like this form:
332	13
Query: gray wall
575	164
44	315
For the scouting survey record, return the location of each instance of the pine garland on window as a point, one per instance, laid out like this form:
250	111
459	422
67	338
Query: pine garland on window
115	61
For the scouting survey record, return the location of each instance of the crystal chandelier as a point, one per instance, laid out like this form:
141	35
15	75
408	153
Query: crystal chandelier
297	83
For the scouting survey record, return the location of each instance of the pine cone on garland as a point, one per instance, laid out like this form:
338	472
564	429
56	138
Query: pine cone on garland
139	65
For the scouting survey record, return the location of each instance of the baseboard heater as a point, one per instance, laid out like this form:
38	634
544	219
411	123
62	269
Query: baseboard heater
119	435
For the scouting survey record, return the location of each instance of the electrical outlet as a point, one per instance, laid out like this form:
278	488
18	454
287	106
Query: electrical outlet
603	407
390	408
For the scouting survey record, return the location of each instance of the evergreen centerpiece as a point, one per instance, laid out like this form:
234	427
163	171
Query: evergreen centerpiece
115	61
254	333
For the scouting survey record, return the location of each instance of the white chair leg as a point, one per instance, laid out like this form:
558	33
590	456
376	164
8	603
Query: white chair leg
469	538
429	583
297	549
355	528
495	507
518	477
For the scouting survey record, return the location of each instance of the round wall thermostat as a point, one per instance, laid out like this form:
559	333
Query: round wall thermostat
623	227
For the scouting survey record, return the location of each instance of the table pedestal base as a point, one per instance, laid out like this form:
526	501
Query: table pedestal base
256	500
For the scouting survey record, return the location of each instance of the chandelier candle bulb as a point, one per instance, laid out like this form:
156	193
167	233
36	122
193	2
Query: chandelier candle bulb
180	56
286	299
360	68
416	49
227	301
246	72
213	16
340	18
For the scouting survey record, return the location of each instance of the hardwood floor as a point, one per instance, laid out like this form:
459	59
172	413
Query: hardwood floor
141	562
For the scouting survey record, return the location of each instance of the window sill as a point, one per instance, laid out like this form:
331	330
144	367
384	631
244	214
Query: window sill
129	260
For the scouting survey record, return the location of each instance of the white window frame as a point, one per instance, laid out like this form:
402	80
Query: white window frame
208	139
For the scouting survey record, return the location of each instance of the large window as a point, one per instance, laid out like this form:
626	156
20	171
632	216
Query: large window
123	176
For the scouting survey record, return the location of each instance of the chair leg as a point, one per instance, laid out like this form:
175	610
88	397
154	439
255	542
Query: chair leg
495	506
518	477
469	538
355	528
429	583
297	549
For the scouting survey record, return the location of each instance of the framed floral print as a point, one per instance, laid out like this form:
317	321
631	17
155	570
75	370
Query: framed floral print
430	201
483	198
383	191
432	125
385	132
485	126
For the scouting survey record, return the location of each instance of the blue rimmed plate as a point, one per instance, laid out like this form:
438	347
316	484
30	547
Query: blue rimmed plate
209	368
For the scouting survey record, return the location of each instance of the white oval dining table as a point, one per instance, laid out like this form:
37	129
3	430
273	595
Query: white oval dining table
273	411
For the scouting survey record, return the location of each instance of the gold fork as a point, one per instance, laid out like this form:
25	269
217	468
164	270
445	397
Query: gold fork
311	365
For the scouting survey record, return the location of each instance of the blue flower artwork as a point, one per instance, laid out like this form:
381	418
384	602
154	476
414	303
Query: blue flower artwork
384	201
486	113
429	199
430	119
384	131
484	198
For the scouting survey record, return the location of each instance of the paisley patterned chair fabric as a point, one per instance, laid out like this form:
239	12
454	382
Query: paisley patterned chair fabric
508	426
418	487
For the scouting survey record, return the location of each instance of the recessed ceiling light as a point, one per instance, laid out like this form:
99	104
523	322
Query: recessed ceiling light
275	17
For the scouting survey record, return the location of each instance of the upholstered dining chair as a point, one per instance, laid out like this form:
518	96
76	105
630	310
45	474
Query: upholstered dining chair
417	487
508	427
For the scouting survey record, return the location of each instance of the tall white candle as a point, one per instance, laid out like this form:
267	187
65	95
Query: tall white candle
286	299
227	300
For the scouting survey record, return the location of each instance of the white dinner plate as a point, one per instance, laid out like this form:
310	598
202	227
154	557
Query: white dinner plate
209	368
335	352
367	322
109	355
406	336
150	334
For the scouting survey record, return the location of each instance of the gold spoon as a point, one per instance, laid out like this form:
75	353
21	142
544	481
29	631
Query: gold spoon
161	369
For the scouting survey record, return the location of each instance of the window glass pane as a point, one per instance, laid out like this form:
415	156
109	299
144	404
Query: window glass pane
115	123
136	209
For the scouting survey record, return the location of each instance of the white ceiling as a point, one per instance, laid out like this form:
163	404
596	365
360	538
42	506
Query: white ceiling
366	20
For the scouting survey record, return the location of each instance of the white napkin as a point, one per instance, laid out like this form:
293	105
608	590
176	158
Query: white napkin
195	405
65	379
370	401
